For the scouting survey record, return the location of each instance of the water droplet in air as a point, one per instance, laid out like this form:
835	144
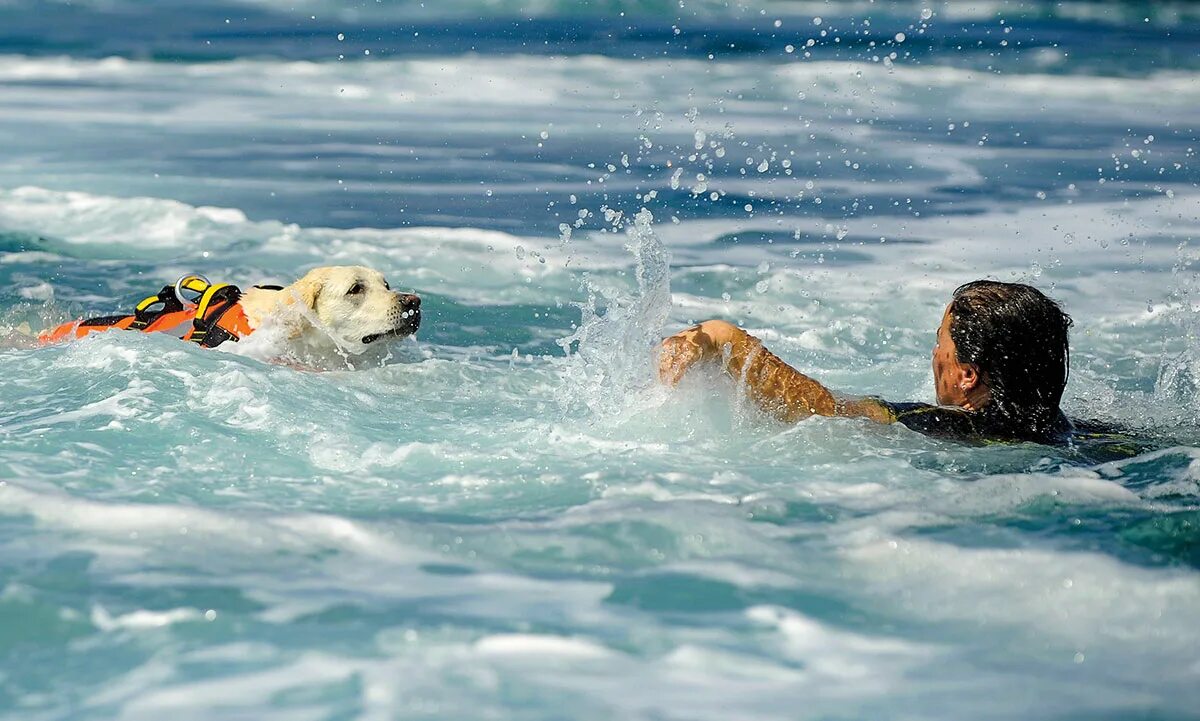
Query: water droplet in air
341	37
675	178
926	13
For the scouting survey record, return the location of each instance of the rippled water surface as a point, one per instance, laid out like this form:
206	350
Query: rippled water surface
481	524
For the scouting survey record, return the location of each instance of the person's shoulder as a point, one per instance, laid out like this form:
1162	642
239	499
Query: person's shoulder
1090	426
949	421
1101	441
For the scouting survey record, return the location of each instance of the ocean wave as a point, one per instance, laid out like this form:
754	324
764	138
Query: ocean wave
472	80
1109	11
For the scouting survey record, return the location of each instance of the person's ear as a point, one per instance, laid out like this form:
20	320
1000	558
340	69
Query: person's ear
968	377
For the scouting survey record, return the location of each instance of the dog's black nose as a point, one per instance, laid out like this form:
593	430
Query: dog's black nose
409	301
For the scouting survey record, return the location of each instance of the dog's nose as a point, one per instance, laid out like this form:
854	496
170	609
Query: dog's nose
409	301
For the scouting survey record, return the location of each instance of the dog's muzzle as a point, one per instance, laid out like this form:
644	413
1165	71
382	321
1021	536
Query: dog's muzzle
410	319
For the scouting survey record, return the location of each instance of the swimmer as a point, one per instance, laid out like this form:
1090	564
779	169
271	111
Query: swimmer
1000	365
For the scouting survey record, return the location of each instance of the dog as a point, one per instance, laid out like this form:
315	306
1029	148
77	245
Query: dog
352	306
343	309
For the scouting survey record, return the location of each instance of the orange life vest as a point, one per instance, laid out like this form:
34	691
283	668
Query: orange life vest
216	316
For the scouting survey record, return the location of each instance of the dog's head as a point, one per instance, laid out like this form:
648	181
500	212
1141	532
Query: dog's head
356	305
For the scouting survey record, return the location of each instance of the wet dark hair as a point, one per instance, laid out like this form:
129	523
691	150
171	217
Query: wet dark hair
1017	337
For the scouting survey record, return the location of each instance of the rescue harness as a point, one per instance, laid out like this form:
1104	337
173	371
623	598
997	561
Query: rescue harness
211	317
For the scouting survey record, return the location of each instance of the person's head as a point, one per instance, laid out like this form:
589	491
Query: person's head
1003	346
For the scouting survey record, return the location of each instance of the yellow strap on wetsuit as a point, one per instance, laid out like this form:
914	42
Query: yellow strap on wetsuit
171	299
149	301
223	293
206	299
194	283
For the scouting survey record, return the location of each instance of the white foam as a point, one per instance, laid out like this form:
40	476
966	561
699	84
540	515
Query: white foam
839	655
144	223
543	649
236	695
175	524
1080	600
110	412
227	91
481	266
143	619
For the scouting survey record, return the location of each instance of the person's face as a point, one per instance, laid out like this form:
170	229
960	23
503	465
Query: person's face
956	384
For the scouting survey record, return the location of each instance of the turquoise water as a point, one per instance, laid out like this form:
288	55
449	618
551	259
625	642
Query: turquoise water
481	524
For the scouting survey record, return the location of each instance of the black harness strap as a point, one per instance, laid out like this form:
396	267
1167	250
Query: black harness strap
103	321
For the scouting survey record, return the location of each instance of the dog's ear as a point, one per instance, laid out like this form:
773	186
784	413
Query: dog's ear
308	289
305	291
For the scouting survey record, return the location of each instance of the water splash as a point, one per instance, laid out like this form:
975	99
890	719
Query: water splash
613	359
1178	382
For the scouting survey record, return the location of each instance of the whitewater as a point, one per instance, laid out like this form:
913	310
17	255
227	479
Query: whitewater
507	517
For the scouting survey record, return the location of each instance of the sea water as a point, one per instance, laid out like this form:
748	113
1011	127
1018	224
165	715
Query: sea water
507	518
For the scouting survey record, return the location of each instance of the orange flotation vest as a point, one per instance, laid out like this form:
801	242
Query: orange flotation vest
213	318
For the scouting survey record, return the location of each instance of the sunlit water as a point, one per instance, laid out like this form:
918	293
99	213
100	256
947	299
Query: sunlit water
479	525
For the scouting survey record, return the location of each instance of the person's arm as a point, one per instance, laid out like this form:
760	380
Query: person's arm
776	387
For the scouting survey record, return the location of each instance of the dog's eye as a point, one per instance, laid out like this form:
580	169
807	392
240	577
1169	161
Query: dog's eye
386	286
355	289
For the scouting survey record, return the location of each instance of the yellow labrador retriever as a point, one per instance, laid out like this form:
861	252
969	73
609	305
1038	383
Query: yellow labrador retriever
334	308
351	305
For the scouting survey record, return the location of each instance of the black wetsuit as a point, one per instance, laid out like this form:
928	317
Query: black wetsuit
951	422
